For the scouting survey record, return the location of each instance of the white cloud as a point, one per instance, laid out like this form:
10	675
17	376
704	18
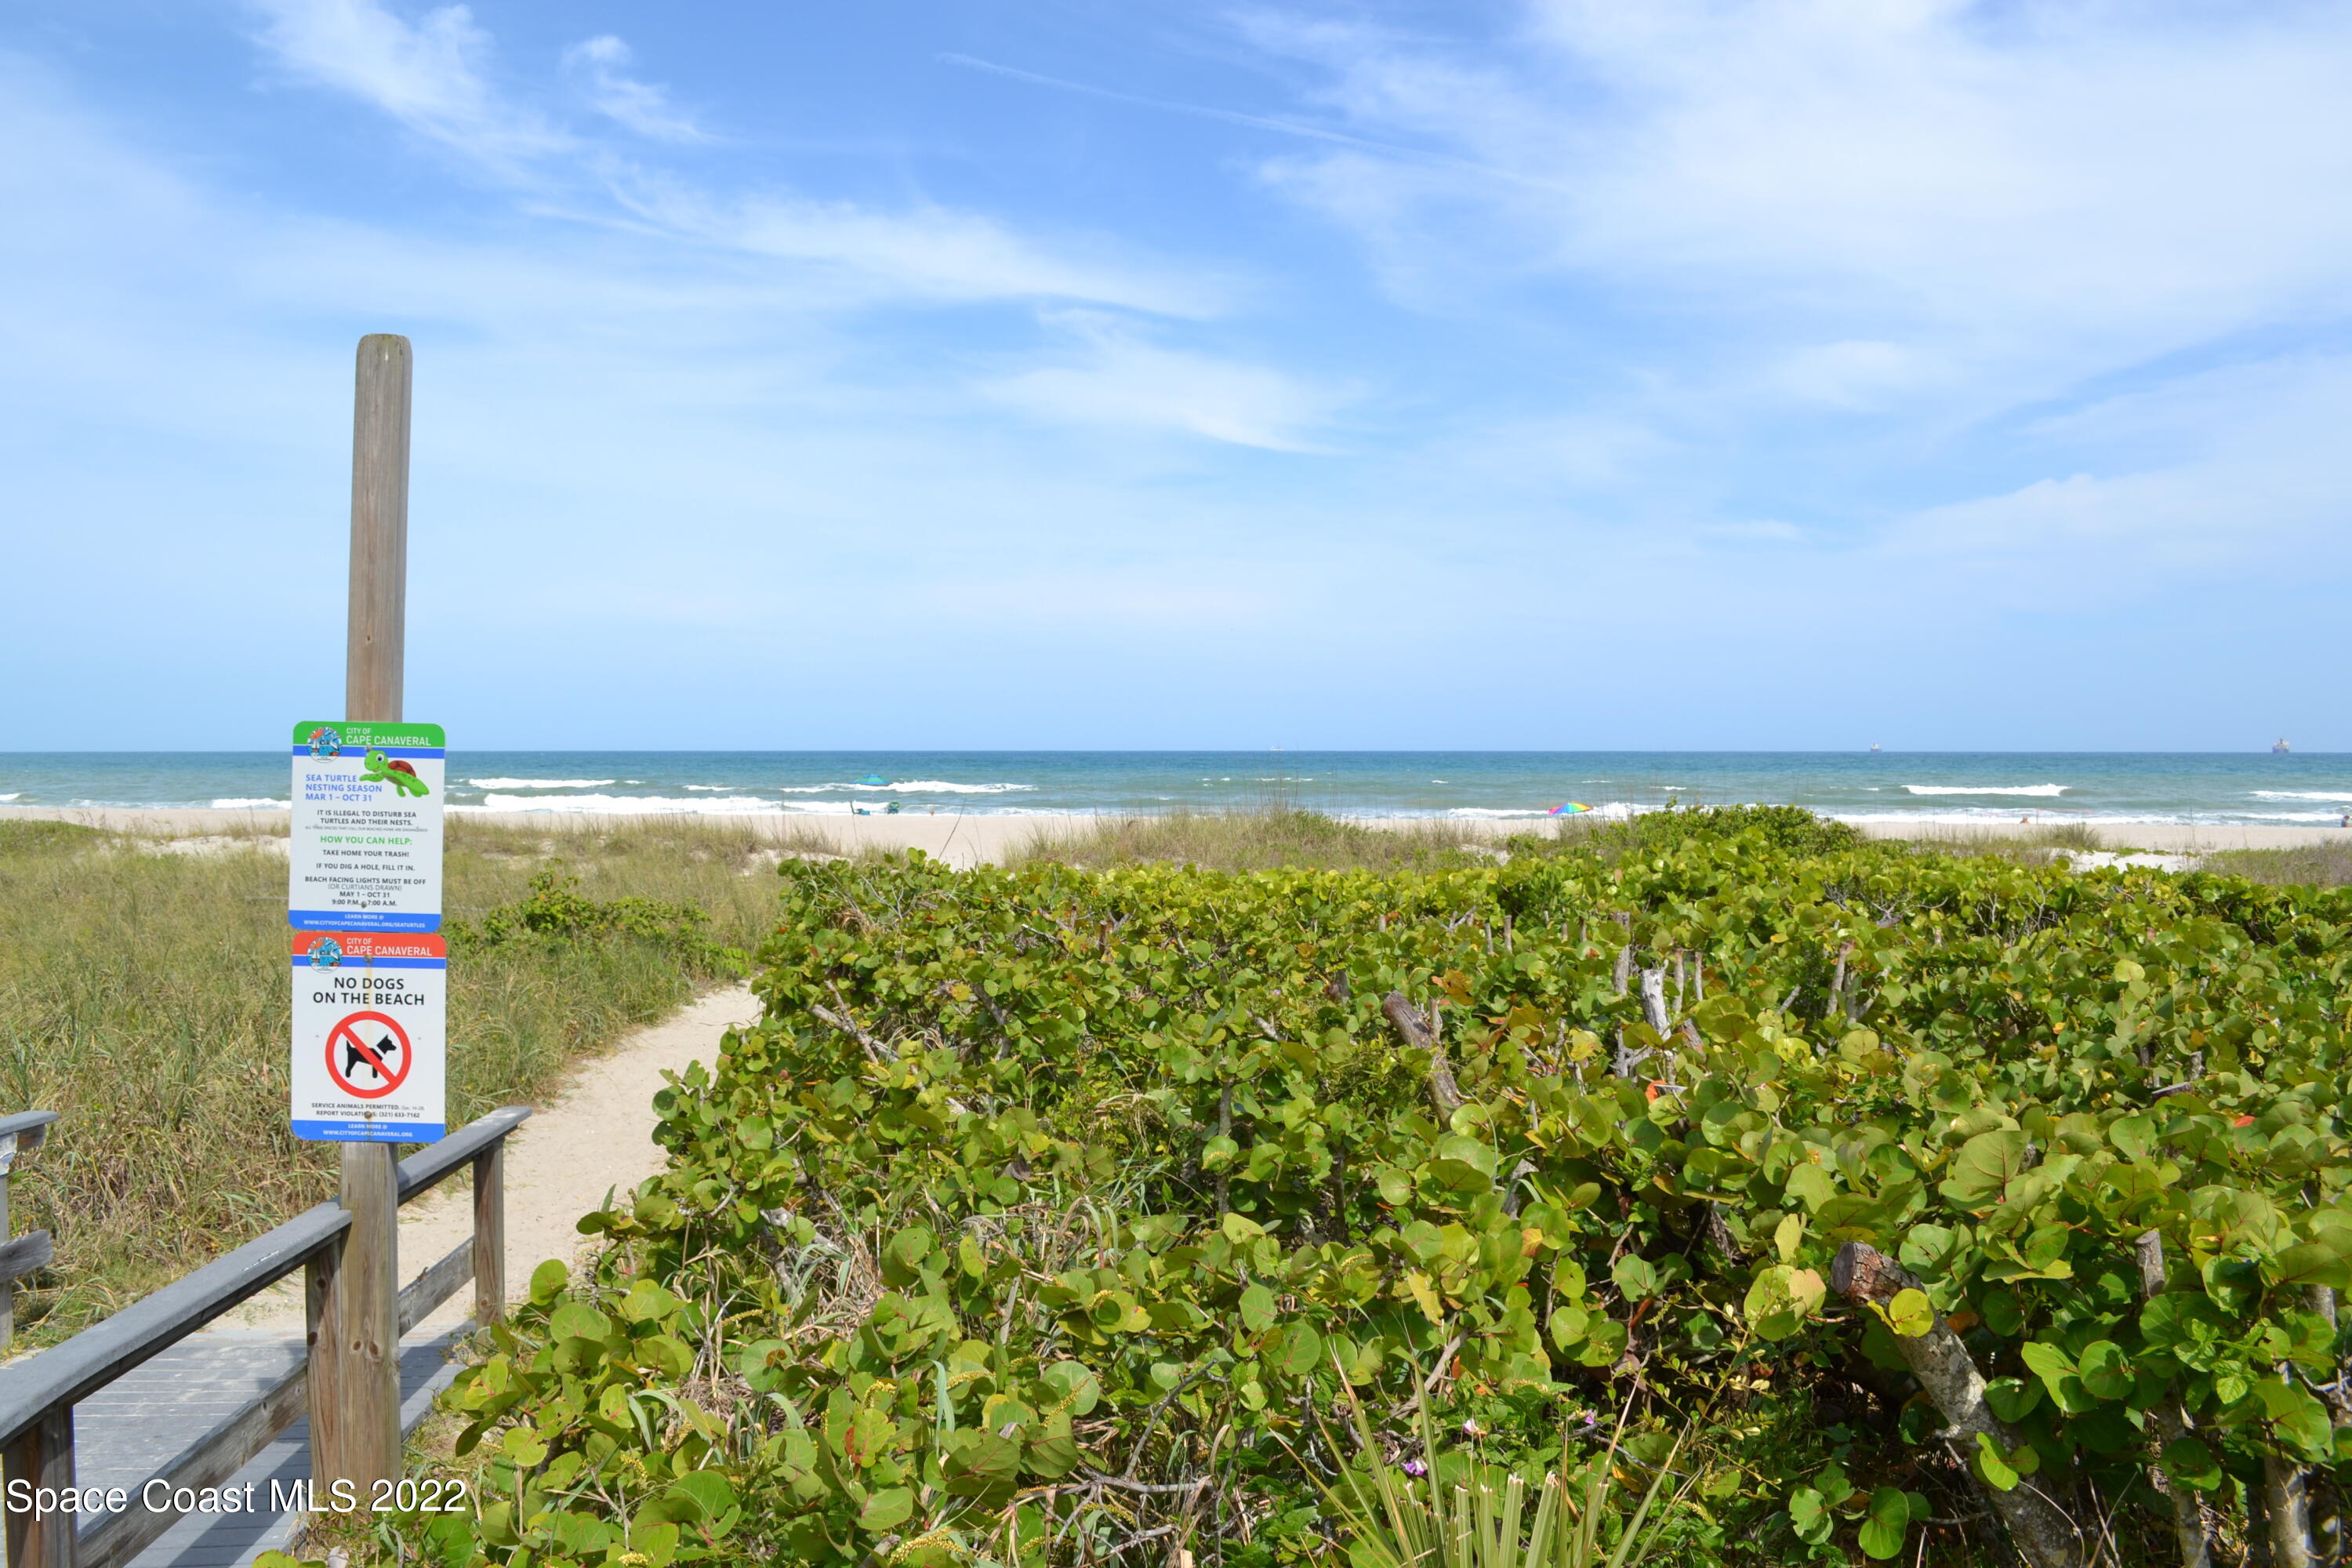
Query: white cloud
926	251
1114	377
428	75
1853	374
2032	194
2186	491
600	64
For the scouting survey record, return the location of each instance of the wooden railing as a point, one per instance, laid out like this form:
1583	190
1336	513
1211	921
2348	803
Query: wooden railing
38	1394
20	1133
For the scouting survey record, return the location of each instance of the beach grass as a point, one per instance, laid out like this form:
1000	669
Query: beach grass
2326	865
1271	837
143	996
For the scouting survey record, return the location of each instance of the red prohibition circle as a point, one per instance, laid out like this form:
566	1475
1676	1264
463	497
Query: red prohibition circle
346	1037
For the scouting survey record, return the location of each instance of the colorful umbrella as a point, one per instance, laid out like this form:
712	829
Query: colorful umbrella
1568	809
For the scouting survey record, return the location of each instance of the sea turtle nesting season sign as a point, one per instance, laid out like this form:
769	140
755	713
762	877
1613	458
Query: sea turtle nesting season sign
369	963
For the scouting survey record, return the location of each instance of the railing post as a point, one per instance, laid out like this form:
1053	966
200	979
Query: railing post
490	1233
8	1290
43	1456
355	1360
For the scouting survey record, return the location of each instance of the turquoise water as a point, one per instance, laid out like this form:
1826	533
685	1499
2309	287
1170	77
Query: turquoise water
2104	786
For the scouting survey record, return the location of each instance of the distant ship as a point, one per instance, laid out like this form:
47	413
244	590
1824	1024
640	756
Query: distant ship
1873	745
2279	748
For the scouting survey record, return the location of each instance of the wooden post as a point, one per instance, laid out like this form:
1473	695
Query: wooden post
377	633
8	1290
43	1456
490	1235
354	1376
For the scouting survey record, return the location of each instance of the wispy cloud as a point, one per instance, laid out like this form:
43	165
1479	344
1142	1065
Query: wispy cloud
600	64
1113	376
1305	130
428	74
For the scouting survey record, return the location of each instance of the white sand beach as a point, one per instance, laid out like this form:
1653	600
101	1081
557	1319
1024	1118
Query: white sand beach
967	840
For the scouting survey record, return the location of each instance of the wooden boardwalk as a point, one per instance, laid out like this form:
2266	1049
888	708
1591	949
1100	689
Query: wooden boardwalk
141	1424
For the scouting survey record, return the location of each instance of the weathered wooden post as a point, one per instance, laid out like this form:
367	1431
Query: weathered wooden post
490	1233
354	1287
19	1134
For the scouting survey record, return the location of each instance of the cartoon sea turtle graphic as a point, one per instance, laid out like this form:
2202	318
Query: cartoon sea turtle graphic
396	772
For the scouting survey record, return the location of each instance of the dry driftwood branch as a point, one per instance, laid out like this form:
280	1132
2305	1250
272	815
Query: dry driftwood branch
1422	1035
2173	1424
2040	1530
1653	1000
875	1049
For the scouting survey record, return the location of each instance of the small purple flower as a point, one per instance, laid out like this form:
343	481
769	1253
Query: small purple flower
1416	1469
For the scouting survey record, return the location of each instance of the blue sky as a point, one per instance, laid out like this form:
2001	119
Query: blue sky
1056	373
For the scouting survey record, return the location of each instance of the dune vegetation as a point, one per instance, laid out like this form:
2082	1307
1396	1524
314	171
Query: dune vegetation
1844	1200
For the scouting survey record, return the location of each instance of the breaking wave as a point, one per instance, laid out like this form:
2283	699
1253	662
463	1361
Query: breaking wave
2043	789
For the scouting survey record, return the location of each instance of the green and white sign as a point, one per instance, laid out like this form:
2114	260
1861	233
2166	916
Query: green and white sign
366	849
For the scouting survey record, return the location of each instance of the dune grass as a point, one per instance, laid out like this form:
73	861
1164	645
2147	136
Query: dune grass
2326	865
144	995
1258	840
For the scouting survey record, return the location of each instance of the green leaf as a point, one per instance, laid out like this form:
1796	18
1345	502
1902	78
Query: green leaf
2318	1262
2013	1398
1075	1384
1473	1152
1257	1308
2192	1463
1809	1514
1910	1315
886	1510
1636	1277
1811	1185
2300	1420
546	1282
1992	1465
982	1465
1984	1167
2106	1371
1888	1518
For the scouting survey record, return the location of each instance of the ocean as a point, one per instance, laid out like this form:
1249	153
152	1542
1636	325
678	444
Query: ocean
1882	786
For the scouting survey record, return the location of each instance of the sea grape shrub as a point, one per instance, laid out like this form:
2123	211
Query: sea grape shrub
1044	1210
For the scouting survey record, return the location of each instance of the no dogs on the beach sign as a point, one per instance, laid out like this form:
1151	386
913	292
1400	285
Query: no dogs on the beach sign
369	1036
363	896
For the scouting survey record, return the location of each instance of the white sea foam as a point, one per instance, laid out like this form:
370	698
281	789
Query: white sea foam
2042	790
907	787
610	805
1496	811
239	802
544	784
19	795
2302	794
711	789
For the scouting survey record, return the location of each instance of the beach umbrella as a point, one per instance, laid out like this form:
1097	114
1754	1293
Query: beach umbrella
873	779
1568	809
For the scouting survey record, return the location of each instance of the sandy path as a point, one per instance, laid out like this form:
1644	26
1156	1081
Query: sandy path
595	1136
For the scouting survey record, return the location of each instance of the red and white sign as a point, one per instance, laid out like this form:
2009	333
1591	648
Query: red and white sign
369	1036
